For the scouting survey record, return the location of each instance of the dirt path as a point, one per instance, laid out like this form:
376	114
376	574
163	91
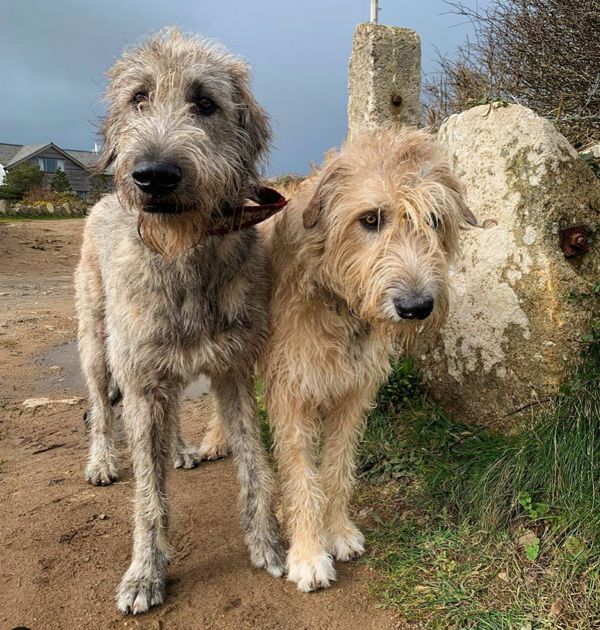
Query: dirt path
65	544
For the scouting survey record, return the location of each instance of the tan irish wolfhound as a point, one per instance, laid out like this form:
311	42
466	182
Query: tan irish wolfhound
360	267
165	291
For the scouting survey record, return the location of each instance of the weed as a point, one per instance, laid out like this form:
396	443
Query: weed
481	530
592	161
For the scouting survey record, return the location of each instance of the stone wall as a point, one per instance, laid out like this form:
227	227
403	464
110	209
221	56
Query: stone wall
520	307
43	209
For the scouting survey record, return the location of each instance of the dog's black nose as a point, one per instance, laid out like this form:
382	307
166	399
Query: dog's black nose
416	306
157	178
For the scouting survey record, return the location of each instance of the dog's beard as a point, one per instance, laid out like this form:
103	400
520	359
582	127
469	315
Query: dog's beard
404	333
403	338
170	235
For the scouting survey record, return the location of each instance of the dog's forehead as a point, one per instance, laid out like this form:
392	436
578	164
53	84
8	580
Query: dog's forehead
377	186
194	63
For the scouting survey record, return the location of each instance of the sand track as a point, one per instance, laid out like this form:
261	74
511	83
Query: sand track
65	544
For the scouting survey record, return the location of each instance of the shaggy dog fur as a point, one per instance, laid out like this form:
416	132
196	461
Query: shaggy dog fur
160	302
360	267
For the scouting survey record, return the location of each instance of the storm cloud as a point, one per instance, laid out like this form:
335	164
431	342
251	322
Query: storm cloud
53	55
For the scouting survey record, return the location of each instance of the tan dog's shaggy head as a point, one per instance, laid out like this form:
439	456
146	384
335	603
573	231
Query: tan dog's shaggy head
184	133
382	220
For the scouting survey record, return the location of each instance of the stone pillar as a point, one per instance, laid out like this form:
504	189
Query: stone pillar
384	76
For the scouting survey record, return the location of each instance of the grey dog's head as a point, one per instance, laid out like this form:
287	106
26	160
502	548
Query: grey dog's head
184	133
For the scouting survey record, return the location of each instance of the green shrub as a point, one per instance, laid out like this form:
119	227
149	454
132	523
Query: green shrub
19	180
100	185
60	182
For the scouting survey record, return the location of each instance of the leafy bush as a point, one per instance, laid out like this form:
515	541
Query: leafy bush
40	196
60	182
100	185
592	161
543	54
20	180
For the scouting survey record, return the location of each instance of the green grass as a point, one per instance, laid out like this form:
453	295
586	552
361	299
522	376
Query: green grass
40	217
265	427
473	529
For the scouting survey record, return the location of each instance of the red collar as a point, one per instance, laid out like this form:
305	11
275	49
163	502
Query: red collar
269	202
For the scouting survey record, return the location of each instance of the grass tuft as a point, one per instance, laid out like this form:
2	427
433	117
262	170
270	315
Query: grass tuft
473	529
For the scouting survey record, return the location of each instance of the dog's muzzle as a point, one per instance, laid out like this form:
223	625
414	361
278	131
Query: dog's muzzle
157	178
414	306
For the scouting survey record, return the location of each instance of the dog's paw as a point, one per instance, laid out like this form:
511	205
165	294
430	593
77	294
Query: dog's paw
138	595
187	457
310	573
213	449
101	472
268	555
347	543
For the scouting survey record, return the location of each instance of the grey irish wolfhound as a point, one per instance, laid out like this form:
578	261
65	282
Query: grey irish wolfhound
360	266
161	300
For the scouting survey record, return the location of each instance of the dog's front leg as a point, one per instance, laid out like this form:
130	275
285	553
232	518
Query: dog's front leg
101	468
343	424
149	419
236	406
296	435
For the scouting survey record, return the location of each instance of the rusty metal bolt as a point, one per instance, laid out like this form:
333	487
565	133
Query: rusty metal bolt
396	100
574	241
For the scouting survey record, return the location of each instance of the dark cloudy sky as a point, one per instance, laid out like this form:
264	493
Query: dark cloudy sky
53	54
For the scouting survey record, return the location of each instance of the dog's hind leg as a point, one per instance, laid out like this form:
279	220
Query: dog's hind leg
214	445
185	455
149	416
236	405
342	429
101	467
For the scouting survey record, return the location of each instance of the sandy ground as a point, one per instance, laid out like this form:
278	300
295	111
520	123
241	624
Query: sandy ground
64	544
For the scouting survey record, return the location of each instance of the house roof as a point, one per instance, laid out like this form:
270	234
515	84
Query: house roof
8	152
85	157
13	154
26	151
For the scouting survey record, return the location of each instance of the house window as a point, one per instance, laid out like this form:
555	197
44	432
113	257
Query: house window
51	165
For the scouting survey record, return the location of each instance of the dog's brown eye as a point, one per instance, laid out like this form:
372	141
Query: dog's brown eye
205	106
139	97
371	220
435	221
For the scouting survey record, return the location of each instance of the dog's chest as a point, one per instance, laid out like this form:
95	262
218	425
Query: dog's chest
348	349
363	353
185	316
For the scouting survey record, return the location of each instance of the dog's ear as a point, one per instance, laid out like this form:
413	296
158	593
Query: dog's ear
457	190
252	117
313	211
109	153
109	129
467	215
